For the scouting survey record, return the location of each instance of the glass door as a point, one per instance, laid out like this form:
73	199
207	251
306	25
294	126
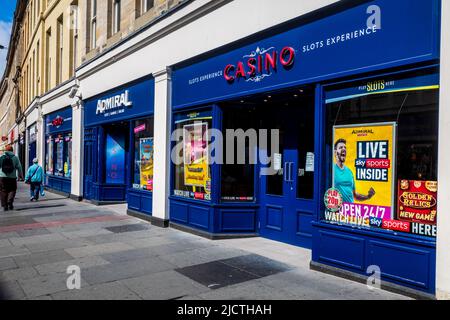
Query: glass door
287	194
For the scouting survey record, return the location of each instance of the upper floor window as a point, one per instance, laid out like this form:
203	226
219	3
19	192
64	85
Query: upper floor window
116	16
146	5
93	24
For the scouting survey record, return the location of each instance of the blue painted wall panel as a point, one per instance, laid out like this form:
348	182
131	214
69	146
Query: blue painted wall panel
238	220
342	250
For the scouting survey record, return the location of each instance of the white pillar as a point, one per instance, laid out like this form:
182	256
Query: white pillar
443	235
162	134
40	138
77	150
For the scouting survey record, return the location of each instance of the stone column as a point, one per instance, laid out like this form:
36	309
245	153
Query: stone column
162	162
40	137
443	232
77	149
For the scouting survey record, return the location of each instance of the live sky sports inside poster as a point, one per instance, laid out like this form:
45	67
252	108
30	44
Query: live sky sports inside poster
195	150
363	170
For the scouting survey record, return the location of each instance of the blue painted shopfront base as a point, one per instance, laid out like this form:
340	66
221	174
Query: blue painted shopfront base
58	184
140	201
214	221
107	193
405	261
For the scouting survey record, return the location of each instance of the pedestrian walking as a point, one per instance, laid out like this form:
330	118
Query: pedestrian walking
10	170
35	178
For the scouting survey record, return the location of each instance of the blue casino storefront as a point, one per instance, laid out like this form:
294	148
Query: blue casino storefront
118	146
356	109
58	151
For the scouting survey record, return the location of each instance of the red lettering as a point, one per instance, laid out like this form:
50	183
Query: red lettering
252	65
229	68
288	53
240	71
271	61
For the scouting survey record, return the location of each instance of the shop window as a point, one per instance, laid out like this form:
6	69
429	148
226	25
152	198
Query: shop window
237	182
143	154
58	157
116	150
381	151
49	156
193	172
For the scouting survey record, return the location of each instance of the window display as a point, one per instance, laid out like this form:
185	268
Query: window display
382	141
143	154
192	176
115	158
68	156
59	156
49	156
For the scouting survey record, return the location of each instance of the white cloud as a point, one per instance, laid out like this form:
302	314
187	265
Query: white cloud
5	33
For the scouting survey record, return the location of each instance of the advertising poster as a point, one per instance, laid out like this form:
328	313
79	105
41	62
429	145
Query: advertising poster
115	159
146	163
363	171
195	151
417	201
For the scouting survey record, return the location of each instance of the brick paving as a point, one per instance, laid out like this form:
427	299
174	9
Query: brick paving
122	257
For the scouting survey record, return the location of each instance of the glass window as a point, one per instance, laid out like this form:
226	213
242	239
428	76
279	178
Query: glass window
143	154
238	179
59	156
115	156
382	144
68	155
193	172
49	156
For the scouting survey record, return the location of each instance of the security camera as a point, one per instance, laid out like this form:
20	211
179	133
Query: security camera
73	92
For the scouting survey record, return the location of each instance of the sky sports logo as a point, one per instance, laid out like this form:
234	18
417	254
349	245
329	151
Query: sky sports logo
404	226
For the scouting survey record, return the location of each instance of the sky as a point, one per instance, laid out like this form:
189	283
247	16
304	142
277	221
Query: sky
6	17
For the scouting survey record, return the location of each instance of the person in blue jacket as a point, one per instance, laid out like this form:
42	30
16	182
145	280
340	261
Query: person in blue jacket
35	177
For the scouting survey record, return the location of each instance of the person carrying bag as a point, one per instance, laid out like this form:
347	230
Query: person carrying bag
35	178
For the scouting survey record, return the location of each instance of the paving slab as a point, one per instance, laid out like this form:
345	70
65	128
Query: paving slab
12	251
32	232
124	270
7	263
18	274
253	290
36	239
44	285
164	286
38	258
108	291
93	250
61	267
55	245
81	233
4	243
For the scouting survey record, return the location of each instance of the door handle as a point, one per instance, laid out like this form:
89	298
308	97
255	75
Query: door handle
291	171
286	172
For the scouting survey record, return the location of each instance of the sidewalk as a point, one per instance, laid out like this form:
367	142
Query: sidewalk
121	257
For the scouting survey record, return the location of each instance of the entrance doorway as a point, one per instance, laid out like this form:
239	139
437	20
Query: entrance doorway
287	203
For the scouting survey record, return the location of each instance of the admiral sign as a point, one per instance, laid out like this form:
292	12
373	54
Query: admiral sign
114	105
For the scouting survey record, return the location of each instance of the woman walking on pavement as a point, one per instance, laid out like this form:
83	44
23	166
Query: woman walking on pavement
9	164
35	178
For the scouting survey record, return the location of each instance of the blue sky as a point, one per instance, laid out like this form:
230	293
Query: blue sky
6	16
